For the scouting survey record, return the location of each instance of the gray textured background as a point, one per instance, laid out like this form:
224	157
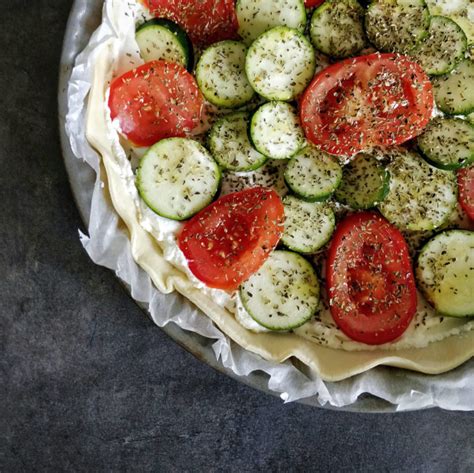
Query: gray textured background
88	383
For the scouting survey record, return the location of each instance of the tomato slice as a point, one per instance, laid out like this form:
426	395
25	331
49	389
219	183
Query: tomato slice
157	100
313	3
370	279
205	21
466	190
374	100
229	240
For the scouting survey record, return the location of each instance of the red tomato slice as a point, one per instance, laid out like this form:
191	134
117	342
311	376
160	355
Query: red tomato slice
370	279
157	100
375	100
205	21
228	241
466	190
313	3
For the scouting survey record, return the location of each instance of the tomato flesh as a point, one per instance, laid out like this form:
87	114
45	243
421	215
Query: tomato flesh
370	280
313	3
358	103
205	21
466	190
157	100
229	240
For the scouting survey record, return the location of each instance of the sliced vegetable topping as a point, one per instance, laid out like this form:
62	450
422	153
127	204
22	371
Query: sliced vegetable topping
354	109
466	190
206	21
364	183
397	25
458	10
443	48
230	239
380	99
161	39
313	175
313	3
275	130
370	280
268	175
257	16
454	93
280	64
157	100
445	272
230	145
448	143
308	225
420	197
221	76
283	294
337	28
177	177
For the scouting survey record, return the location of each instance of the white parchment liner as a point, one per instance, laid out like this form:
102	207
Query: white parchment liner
108	245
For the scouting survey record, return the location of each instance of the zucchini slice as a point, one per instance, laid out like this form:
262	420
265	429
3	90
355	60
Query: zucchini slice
396	25
443	48
161	39
420	197
448	143
230	145
454	92
364	183
280	64
337	28
220	74
283	294
275	130
268	175
308	225
313	174
177	178
257	16
459	11
445	272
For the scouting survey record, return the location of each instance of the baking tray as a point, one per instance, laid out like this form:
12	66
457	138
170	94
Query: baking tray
84	18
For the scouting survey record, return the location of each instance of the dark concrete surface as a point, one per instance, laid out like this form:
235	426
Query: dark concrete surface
88	383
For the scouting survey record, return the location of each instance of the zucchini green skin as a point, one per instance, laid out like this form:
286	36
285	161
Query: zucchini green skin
445	272
420	197
308	225
444	151
360	189
284	294
313	175
169	176
230	145
179	34
390	33
453	92
220	74
271	125
443	48
280	64
337	28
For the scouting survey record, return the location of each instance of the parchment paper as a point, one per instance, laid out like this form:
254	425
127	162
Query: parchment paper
108	245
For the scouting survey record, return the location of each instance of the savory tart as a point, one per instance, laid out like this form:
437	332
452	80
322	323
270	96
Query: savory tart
303	175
